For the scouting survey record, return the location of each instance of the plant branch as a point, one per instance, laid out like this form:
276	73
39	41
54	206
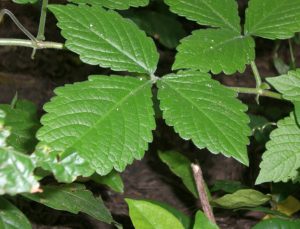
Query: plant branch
30	43
256	74
17	23
41	30
207	209
257	91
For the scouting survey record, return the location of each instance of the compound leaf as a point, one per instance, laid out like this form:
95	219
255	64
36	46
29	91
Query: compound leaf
273	19
73	198
11	217
23	125
206	112
215	13
146	214
289	86
181	167
105	38
107	121
215	50
242	198
281	161
113	4
201	221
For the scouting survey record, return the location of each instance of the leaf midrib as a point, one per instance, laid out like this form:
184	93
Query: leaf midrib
114	107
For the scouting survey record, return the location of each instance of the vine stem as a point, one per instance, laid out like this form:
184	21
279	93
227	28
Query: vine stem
256	74
31	44
198	176
41	31
257	91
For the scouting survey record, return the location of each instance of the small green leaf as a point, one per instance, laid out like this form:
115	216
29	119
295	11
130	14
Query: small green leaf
228	186
23	125
181	167
105	38
106	121
113	4
281	161
289	86
278	224
112	180
273	19
73	198
215	50
16	169
242	198
147	215
201	221
280	65
11	217
216	13
163	26
206	112
25	1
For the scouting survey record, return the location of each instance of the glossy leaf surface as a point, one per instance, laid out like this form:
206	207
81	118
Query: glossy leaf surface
105	38
215	50
281	161
201	109
107	121
215	13
273	19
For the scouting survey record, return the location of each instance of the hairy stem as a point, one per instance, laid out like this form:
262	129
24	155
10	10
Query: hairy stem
41	31
207	209
257	91
31	44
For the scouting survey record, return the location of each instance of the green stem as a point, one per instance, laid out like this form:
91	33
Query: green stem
257	91
256	74
31	44
41	31
292	55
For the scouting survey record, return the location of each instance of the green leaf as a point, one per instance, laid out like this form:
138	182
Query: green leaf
23	125
281	161
147	215
11	217
289	86
16	173
280	65
242	198
163	26
181	167
112	180
215	50
217	13
113	4
105	38
273	19
201	221
16	169
266	210
206	112
25	1
228	186
73	198
278	224
107	121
